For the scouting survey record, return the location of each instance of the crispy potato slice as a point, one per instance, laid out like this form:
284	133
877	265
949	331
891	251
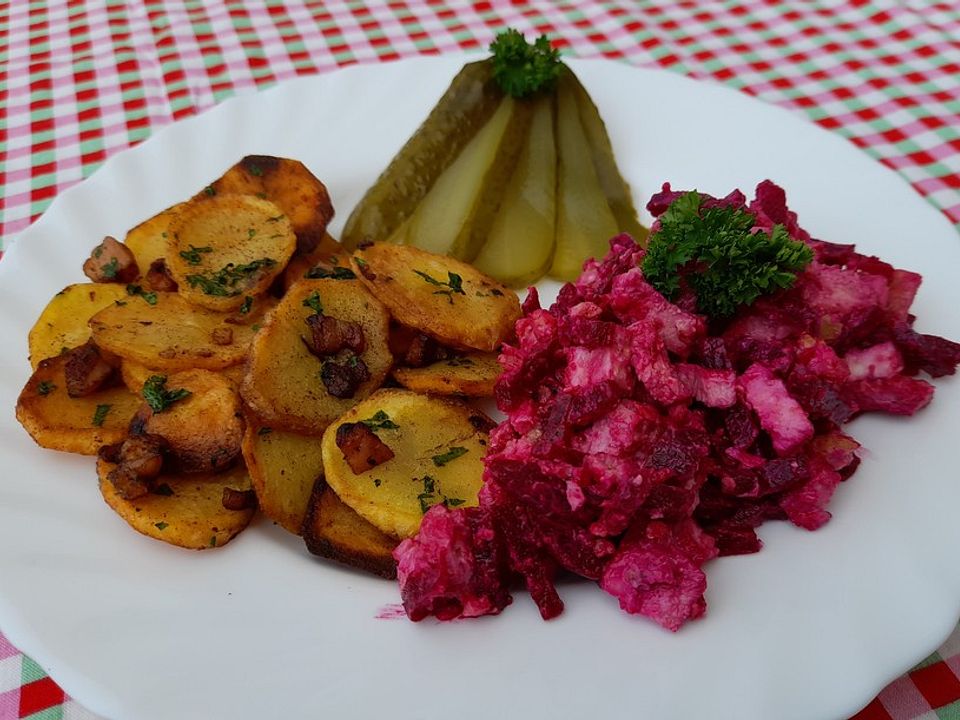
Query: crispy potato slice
221	250
148	240
191	515
437	295
171	334
63	322
134	375
288	184
283	467
471	375
78	425
438	446
283	384
332	530
328	260
204	430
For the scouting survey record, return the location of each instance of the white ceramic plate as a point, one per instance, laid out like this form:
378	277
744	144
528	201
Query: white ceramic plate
810	628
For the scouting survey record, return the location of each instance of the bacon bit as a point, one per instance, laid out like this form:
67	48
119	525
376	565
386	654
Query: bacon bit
127	484
159	278
86	370
328	335
362	449
424	350
341	379
222	336
238	499
142	455
111	262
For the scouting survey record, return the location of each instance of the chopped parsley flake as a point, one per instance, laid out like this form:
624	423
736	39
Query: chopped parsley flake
380	421
158	397
377	482
338	272
223	282
192	256
150	298
247	304
313	302
454	284
110	269
163	489
45	388
210	190
161	526
100	414
449	456
264	431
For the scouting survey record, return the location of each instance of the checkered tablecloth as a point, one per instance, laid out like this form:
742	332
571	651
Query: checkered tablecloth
83	79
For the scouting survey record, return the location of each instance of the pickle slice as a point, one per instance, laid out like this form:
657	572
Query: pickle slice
585	222
454	217
464	108
520	244
615	188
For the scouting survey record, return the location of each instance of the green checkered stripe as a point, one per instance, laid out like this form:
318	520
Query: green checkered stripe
80	82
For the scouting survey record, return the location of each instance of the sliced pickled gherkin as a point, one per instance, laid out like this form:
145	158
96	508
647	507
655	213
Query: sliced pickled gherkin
464	108
615	188
520	243
454	217
585	222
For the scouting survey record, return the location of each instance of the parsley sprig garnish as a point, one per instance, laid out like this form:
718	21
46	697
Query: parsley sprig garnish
717	253
158	397
454	284
520	68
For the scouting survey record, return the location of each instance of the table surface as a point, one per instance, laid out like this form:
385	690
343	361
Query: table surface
80	81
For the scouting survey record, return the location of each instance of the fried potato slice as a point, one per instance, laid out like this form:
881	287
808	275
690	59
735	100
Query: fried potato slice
221	250
471	375
63	322
328	260
332	530
148	240
283	384
288	184
191	515
171	334
438	446
283	467
203	430
134	375
79	425
437	295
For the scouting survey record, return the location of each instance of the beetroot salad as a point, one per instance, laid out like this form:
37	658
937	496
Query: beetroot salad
668	403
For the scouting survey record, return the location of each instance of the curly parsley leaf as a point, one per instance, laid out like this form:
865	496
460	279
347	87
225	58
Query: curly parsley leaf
158	397
717	253
521	69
